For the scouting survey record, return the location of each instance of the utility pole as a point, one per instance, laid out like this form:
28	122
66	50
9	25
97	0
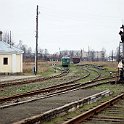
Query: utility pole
81	55
10	40
112	56
36	54
88	54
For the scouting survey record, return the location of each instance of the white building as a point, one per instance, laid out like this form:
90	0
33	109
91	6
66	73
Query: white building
95	55
11	58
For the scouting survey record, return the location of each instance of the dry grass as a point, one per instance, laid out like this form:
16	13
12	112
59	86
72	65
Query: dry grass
45	66
42	66
109	65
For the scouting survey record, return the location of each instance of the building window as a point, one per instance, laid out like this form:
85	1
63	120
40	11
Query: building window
5	61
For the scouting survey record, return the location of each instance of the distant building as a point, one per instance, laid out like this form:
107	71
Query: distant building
90	55
11	58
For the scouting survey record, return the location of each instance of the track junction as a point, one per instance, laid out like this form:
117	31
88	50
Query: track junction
65	82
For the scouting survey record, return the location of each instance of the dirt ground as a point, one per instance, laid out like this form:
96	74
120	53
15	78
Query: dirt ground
10	77
16	113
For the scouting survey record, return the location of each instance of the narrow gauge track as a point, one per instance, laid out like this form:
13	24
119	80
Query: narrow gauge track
69	87
38	85
48	92
39	78
99	70
96	67
45	90
57	88
98	74
34	119
30	80
114	114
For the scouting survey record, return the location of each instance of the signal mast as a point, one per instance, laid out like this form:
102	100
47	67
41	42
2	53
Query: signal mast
121	52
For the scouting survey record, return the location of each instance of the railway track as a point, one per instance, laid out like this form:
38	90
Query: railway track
48	92
44	91
53	89
38	82
30	80
24	98
114	113
39	78
55	104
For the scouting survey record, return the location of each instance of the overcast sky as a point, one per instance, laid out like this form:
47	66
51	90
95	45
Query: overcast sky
64	24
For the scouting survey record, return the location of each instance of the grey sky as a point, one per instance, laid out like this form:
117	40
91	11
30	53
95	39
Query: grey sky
64	24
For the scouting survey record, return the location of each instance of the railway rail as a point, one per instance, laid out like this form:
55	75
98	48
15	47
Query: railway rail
39	78
47	92
55	89
58	81
30	80
49	107
74	84
89	115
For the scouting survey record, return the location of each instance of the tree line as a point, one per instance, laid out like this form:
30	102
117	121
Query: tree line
43	54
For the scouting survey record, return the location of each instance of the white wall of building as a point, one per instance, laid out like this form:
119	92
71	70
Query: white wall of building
14	65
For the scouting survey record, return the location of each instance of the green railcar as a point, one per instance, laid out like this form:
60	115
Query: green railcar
65	61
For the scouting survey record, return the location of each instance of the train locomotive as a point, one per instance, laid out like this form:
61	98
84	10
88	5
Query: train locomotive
65	61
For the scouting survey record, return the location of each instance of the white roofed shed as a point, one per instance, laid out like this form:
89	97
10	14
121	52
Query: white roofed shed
11	58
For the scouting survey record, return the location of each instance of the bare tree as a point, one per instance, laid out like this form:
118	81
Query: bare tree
7	38
40	51
29	51
71	53
118	56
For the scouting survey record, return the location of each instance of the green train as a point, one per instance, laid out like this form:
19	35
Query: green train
65	61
